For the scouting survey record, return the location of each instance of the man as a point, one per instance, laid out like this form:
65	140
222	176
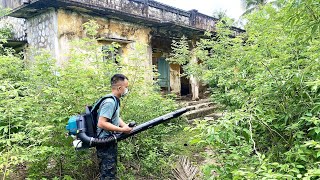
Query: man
109	122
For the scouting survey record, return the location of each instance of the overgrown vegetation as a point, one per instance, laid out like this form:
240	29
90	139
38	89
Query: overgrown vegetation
268	78
37	97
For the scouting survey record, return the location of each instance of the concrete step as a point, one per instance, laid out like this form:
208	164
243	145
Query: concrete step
192	103
199	113
202	105
214	116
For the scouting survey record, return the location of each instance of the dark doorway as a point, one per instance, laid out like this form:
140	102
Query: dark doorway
185	84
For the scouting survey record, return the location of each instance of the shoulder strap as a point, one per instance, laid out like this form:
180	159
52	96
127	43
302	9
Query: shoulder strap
96	106
116	104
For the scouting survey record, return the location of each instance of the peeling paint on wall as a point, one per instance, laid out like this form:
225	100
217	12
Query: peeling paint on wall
70	28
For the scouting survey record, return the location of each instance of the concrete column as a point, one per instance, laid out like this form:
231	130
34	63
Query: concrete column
194	87
175	83
194	81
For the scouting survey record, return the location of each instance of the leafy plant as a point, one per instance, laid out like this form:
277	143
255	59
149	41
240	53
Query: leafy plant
268	79
37	97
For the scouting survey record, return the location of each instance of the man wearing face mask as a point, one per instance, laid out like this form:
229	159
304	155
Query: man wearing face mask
109	122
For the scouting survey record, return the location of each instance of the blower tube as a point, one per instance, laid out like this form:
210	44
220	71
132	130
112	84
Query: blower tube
118	137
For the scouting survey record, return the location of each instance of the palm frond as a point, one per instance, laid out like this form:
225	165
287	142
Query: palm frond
246	4
184	170
248	11
276	4
249	4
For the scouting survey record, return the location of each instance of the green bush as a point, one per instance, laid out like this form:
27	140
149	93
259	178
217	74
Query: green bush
268	79
37	97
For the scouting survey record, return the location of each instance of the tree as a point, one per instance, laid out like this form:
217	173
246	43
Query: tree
220	14
223	17
252	5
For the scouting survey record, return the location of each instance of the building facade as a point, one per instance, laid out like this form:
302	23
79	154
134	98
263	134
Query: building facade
53	24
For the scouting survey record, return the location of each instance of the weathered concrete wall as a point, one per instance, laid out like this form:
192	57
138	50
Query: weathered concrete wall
148	9
144	12
203	21
16	25
42	31
70	28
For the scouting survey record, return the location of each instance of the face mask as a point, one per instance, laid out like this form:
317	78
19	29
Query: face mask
126	91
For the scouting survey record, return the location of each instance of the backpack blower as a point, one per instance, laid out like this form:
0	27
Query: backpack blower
83	127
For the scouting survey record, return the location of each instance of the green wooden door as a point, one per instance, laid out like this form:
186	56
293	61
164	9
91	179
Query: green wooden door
164	77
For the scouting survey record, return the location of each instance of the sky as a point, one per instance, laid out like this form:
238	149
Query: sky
208	7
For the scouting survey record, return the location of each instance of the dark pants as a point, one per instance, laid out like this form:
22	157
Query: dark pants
108	161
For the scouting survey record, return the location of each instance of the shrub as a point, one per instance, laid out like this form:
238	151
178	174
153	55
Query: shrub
38	97
268	79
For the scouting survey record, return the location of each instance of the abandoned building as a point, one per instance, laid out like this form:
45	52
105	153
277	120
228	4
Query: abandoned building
52	24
